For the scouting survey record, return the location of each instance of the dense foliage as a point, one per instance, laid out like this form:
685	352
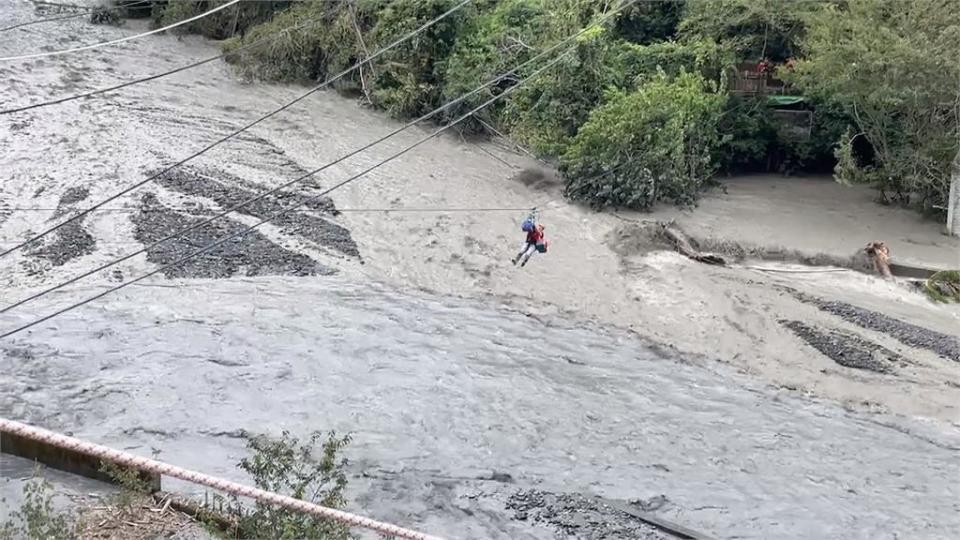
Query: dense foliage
894	66
225	23
756	29
291	467
885	69
492	45
651	144
37	517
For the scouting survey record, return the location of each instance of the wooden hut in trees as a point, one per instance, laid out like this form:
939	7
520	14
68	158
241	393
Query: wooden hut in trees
792	114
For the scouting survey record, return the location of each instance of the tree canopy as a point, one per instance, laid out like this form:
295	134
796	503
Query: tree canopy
879	80
894	66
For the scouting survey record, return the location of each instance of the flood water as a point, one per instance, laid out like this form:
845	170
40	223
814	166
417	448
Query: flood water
437	389
438	392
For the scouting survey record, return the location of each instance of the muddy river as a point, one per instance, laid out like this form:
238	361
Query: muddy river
463	381
440	393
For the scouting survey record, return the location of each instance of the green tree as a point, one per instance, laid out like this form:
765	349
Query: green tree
750	136
754	28
893	65
547	112
409	79
649	22
220	25
630	63
649	145
491	44
316	38
37	519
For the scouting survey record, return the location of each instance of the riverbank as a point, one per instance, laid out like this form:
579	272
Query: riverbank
815	216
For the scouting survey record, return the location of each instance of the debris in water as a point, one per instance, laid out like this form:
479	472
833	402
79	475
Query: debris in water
495	476
74	195
879	253
944	345
581	516
683	245
69	242
253	253
653	503
943	286
232	191
845	348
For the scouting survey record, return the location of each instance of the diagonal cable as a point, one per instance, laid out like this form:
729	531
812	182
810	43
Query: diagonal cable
238	131
251	228
154	77
256	198
119	40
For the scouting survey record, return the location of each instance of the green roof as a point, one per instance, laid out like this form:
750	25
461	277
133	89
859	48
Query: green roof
785	100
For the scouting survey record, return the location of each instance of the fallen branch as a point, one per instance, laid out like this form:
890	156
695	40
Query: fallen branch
197	511
363	46
519	42
682	244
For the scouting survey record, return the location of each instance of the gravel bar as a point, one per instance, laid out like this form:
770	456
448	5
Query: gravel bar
944	345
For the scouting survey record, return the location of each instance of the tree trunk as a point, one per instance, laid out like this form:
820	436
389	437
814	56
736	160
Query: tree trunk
683	245
953	200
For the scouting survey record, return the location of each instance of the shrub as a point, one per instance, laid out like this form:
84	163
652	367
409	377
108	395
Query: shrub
409	78
754	29
754	140
36	518
316	37
331	37
133	487
818	152
892	65
289	467
490	45
285	465
749	136
638	62
220	25
547	112
646	146
649	22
